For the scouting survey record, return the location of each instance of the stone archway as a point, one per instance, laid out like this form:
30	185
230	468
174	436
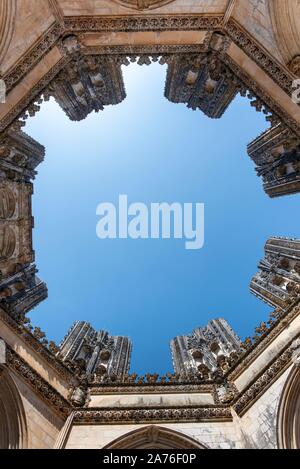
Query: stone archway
13	430
154	437
7	242
7	203
289	412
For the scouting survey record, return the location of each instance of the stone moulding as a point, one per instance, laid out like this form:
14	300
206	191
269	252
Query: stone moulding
241	403
149	50
41	86
281	75
36	345
153	389
33	95
143	23
268	100
269	375
35	381
33	56
257	348
152	414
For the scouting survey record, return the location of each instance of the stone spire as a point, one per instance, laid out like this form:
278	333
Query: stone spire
96	352
87	83
20	288
205	349
202	82
276	154
278	280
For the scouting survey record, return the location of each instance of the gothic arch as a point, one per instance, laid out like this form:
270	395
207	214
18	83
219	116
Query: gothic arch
7	242
7	203
154	437
284	14
13	429
289	412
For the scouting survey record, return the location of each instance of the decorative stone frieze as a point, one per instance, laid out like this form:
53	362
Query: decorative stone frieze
95	353
117	416
260	384
207	351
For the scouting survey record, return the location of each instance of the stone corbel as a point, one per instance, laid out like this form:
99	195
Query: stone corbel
70	45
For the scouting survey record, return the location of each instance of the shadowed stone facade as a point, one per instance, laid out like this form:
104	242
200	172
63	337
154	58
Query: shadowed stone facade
278	279
95	352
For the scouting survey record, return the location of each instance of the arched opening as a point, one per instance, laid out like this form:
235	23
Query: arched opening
7	242
13	432
154	437
7	203
289	412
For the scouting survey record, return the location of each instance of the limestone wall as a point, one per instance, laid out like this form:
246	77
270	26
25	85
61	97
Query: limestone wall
258	427
212	435
43	424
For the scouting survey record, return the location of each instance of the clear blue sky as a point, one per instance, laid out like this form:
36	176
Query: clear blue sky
154	151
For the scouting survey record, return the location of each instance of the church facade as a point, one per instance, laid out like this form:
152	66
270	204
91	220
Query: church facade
223	393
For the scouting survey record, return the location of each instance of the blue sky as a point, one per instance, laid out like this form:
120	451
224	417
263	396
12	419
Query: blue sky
153	151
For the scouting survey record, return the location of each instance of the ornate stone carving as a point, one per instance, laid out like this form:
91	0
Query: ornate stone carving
277	157
21	328
296	352
276	284
44	389
156	388
143	4
294	66
87	84
78	396
144	23
275	113
275	154
25	292
29	60
255	389
202	84
174	414
273	68
262	342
